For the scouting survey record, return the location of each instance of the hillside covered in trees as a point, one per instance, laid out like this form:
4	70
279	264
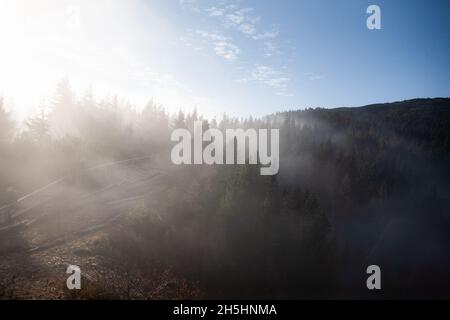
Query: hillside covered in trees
90	182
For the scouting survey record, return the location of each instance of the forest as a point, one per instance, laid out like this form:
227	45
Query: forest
89	181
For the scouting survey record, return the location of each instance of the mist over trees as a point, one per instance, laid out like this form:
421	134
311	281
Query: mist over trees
357	186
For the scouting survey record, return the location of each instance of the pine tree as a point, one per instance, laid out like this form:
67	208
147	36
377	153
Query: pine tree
6	125
39	128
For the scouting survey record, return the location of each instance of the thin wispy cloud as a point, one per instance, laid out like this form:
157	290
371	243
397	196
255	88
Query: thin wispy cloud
245	22
314	77
226	50
238	30
271	49
247	29
266	35
213	36
190	4
239	16
215	12
222	45
270	78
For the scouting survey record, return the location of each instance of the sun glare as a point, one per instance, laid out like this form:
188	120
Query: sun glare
46	41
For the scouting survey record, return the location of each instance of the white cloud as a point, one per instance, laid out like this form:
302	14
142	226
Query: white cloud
243	21
271	49
222	45
215	12
314	77
226	50
247	28
266	35
270	78
239	16
235	18
228	18
190	4
213	36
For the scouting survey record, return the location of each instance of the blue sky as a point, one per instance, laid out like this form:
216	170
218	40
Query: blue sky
320	53
243	57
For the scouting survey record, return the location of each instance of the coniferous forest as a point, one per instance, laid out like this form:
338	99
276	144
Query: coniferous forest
89	181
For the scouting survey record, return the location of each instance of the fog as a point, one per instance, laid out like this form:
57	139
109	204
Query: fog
90	182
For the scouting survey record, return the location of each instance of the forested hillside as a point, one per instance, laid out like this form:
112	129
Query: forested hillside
357	186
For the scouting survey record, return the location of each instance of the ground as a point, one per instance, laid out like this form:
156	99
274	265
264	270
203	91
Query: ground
69	222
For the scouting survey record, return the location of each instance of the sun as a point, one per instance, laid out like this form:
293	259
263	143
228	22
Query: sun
95	44
28	71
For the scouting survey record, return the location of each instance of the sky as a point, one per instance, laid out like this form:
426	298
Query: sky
242	57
